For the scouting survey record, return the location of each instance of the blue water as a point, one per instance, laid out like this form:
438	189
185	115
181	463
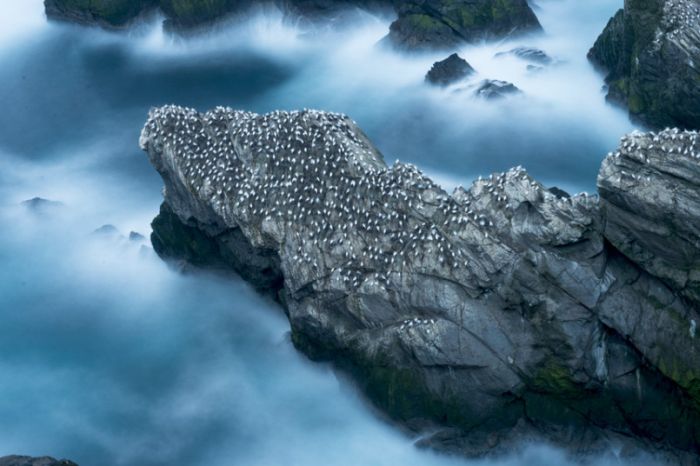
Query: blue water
109	357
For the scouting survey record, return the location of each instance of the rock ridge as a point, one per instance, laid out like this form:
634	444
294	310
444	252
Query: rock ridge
490	316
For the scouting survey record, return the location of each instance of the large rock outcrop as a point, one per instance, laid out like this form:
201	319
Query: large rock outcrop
489	316
444	24
651	51
420	25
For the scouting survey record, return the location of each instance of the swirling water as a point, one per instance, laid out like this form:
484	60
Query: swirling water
109	357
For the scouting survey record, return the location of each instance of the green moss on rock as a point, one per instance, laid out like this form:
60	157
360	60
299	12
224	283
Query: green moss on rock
113	13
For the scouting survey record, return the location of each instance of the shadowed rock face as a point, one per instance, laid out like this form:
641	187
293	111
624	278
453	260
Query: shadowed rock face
29	461
449	71
651	51
489	316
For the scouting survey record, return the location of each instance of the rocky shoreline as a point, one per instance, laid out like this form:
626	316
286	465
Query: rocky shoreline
420	24
481	319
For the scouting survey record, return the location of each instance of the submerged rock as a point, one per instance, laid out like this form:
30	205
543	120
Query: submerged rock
530	54
650	50
491	89
490	317
449	71
29	461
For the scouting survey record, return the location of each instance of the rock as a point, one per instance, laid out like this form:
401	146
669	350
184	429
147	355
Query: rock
491	89
106	230
108	13
449	71
185	14
40	205
136	237
423	24
650	50
560	193
483	319
29	461
444	24
651	206
530	54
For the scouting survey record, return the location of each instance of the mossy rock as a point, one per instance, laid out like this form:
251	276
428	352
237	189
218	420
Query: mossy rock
113	13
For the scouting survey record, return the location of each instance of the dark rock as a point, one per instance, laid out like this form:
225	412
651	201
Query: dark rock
41	205
29	461
421	24
529	54
488	318
108	13
560	193
136	237
106	230
443	24
494	89
449	71
650	51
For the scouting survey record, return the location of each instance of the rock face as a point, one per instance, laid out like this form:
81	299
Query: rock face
29	461
492	89
109	13
443	24
449	71
651	51
424	24
489	317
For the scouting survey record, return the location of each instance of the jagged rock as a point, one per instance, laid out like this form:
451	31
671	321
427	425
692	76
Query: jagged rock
494	89
444	24
29	461
530	54
489	317
650	50
651	203
449	71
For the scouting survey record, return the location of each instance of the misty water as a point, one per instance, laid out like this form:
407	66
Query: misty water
110	357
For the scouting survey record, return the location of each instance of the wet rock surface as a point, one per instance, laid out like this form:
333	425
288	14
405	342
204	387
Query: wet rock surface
488	317
449	71
650	51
